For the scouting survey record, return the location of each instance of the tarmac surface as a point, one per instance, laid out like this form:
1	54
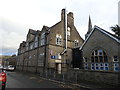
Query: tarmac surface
49	83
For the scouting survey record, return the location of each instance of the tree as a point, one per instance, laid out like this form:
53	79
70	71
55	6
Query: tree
116	30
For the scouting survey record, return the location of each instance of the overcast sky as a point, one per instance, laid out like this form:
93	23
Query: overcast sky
17	16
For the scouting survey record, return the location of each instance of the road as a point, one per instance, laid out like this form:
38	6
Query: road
28	80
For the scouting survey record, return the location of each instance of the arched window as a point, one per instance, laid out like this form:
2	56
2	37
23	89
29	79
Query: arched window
99	60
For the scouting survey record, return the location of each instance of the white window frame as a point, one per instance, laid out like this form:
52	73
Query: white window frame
116	66
101	66
76	43
68	31
36	42
97	66
92	65
95	53
115	58
86	65
106	66
43	39
100	51
58	39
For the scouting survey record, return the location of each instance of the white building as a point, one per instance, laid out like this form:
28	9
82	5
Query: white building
119	13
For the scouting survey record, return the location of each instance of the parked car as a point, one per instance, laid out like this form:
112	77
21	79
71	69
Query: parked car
5	67
1	66
11	68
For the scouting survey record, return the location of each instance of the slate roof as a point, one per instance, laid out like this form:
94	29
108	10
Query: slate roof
31	31
117	39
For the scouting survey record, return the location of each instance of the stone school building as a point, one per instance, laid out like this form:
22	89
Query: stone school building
101	51
50	49
60	48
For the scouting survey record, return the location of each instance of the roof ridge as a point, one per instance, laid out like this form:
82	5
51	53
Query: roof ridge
109	34
102	30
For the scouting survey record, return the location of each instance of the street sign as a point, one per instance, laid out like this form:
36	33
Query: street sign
52	57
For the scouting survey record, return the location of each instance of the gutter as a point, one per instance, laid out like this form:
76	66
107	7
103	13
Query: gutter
65	32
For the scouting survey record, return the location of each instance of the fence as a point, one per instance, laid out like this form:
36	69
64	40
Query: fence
80	76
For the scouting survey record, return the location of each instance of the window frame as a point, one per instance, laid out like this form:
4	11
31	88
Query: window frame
106	66
116	67
97	66
92	66
58	39
115	58
86	66
76	43
68	31
42	40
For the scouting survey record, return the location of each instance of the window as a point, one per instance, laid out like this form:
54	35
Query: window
95	53
92	66
27	46
99	60
105	59
100	52
68	31
76	43
36	41
106	67
115	59
116	67
43	39
96	66
31	45
86	66
96	59
58	39
101	66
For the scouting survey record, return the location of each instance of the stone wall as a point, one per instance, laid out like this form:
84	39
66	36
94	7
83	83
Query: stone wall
80	76
99	77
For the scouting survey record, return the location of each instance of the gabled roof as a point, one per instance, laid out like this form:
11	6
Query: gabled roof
55	24
103	31
31	31
45	28
22	44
